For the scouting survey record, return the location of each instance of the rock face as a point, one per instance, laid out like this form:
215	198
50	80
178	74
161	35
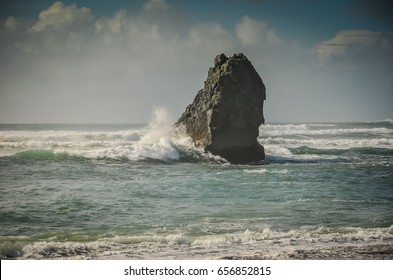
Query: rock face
225	115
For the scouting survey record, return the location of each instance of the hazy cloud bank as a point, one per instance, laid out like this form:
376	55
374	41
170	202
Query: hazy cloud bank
71	66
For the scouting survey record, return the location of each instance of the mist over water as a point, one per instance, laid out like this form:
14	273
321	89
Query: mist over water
140	191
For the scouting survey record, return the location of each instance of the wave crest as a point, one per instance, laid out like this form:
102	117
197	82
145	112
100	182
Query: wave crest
156	141
274	244
159	141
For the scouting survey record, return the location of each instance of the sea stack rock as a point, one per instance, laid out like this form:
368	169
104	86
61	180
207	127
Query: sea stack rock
225	115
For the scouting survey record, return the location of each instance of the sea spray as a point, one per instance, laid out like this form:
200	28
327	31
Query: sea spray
162	141
155	142
158	127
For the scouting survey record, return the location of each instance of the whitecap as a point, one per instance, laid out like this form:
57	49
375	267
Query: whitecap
264	170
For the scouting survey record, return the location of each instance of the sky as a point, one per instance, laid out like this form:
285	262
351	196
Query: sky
116	61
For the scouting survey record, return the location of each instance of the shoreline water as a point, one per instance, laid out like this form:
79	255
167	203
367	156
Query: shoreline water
355	244
380	251
363	252
340	252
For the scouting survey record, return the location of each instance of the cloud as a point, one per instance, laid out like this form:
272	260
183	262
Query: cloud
71	66
354	46
156	5
210	38
98	70
360	64
58	28
12	24
155	30
114	25
60	17
253	32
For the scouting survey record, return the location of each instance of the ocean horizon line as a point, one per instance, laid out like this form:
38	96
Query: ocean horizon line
147	122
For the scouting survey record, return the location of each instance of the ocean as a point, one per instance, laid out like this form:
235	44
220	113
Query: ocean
136	191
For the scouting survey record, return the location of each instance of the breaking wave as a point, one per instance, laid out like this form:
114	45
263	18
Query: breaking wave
154	246
157	141
153	141
356	129
328	142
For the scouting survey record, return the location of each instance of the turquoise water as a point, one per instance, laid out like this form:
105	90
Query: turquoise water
138	191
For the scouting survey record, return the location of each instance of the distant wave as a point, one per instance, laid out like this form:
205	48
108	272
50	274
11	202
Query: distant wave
166	152
156	142
328	142
305	150
264	170
385	121
44	155
310	129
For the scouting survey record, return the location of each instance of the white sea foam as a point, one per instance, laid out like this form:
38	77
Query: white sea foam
325	143
248	243
264	170
283	129
309	129
163	149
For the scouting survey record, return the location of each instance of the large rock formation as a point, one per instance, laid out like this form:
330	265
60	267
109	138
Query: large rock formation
225	115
